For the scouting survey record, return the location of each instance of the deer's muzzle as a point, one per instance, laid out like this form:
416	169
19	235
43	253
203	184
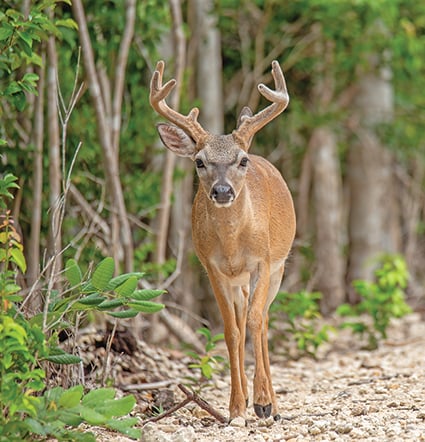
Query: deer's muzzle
222	194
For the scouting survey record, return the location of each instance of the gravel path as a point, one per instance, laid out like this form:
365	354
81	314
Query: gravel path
348	394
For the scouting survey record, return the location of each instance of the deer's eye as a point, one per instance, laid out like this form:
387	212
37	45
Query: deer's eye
199	163
243	162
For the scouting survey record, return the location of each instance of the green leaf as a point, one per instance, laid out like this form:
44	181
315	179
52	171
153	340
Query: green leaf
146	294
113	303
103	273
146	306
124	426
58	356
128	287
71	397
93	299
123	314
120	279
98	396
67	23
73	272
92	417
117	407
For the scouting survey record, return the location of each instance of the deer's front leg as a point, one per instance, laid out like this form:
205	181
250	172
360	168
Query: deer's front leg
257	324
231	301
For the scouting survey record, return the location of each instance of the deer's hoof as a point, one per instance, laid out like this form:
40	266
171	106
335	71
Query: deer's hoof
277	417
263	411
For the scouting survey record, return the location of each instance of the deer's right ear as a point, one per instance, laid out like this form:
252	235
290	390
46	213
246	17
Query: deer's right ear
176	140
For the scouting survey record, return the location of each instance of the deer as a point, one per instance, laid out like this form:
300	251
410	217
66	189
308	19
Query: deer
243	227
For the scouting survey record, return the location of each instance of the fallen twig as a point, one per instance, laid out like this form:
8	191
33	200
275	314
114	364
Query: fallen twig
190	396
148	386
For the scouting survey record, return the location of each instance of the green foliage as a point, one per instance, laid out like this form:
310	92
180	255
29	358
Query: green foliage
381	300
117	296
60	409
207	363
296	319
24	346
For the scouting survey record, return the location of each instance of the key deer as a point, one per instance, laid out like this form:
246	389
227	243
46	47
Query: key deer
243	226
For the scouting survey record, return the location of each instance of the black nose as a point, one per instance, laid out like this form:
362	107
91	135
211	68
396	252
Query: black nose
222	194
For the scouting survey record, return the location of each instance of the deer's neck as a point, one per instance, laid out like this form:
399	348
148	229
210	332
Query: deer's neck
229	222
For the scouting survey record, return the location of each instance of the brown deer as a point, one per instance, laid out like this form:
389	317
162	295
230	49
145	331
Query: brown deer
243	226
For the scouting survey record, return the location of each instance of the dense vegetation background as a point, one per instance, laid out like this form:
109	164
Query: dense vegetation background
94	181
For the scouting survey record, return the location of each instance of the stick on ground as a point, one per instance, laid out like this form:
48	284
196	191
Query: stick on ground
190	396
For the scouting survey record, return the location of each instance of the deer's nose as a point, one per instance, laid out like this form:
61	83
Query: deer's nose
222	194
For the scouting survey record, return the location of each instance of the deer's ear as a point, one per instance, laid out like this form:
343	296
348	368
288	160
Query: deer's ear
176	140
245	112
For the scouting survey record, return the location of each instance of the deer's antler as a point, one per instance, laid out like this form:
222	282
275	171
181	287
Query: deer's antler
250	125
158	93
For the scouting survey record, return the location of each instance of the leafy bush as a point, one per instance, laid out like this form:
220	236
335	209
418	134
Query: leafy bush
207	363
296	319
24	345
381	300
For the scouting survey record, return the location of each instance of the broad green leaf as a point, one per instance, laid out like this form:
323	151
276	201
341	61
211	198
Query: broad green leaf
98	397
71	397
120	279
63	359
5	31
92	417
128	287
19	259
67	23
129	313
116	407
71	417
146	294
113	303
92	300
103	273
35	426
125	426
146	306
73	272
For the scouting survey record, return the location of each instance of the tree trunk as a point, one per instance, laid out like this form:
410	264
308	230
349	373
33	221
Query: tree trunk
327	196
111	165
33	245
372	217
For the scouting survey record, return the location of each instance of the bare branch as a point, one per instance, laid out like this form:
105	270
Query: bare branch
127	37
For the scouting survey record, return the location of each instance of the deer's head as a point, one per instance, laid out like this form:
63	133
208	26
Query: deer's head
221	161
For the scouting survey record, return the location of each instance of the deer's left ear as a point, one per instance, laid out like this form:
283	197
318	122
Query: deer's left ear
176	140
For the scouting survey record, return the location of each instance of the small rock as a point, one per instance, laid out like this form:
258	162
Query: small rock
238	422
314	430
343	428
358	410
266	422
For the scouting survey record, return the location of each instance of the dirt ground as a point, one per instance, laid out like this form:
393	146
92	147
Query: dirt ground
347	394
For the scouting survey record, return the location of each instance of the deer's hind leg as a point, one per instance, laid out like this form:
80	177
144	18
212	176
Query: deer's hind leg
275	281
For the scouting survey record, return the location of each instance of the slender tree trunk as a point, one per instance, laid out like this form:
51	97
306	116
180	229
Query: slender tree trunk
111	165
33	245
179	49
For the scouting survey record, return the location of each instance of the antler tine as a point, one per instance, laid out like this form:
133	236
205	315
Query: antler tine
279	97
159	92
